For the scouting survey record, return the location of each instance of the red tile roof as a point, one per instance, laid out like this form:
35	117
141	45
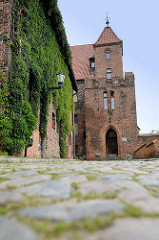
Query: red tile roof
107	36
81	55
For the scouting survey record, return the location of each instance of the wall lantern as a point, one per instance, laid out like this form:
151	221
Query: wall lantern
61	78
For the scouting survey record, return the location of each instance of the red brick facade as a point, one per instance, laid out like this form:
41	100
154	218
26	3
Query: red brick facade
51	144
147	138
52	148
96	122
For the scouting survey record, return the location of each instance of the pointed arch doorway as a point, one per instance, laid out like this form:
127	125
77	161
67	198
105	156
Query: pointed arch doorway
111	143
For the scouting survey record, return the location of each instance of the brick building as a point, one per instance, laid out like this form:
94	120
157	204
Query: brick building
106	106
7	34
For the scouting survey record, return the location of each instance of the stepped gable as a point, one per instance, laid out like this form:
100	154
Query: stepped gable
107	37
81	55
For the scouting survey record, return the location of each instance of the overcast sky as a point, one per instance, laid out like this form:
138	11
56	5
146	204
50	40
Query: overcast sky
137	24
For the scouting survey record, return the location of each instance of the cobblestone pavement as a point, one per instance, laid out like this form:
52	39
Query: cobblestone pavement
76	200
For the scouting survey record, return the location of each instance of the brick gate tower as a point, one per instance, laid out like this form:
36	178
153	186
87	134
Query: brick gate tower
106	105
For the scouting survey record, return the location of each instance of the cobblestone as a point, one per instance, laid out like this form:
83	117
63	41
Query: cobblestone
69	199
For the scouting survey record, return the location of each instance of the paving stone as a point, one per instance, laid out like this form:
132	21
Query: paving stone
149	167
69	212
98	187
21	174
84	171
130	185
133	170
74	178
10	196
150	182
114	177
124	173
129	229
55	189
14	230
149	205
5	171
133	195
103	169
18	182
58	171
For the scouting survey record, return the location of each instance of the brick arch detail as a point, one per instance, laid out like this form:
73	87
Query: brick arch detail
103	134
107	49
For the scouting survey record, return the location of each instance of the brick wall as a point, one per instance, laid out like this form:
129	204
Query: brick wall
147	138
5	35
93	120
148	150
52	148
99	120
34	151
80	119
115	62
52	140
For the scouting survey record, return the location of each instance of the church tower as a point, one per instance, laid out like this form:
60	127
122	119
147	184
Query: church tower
106	105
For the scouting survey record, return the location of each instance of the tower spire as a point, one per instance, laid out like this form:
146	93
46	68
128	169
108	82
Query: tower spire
107	20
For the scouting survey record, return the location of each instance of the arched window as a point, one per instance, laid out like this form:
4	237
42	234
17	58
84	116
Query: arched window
105	100
107	54
109	74
112	100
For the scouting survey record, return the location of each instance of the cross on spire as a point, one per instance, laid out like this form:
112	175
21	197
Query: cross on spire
107	20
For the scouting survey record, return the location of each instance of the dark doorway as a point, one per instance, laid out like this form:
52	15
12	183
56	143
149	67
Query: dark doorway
111	142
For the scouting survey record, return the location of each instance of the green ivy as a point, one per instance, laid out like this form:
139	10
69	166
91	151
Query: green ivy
37	56
5	123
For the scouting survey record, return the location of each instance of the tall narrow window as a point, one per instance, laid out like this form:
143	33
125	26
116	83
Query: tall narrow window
105	100
53	120
112	100
92	64
109	74
107	54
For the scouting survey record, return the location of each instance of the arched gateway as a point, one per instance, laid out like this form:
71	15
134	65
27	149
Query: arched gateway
111	143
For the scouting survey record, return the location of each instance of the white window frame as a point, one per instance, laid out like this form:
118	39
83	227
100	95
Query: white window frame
105	96
112	100
93	64
107	54
109	74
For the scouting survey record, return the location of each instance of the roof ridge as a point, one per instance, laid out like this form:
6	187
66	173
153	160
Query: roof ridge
107	36
82	45
116	35
99	36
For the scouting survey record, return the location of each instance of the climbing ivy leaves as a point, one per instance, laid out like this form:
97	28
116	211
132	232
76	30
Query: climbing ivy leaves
36	59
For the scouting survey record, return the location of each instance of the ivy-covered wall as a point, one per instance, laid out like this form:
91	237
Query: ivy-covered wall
39	52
